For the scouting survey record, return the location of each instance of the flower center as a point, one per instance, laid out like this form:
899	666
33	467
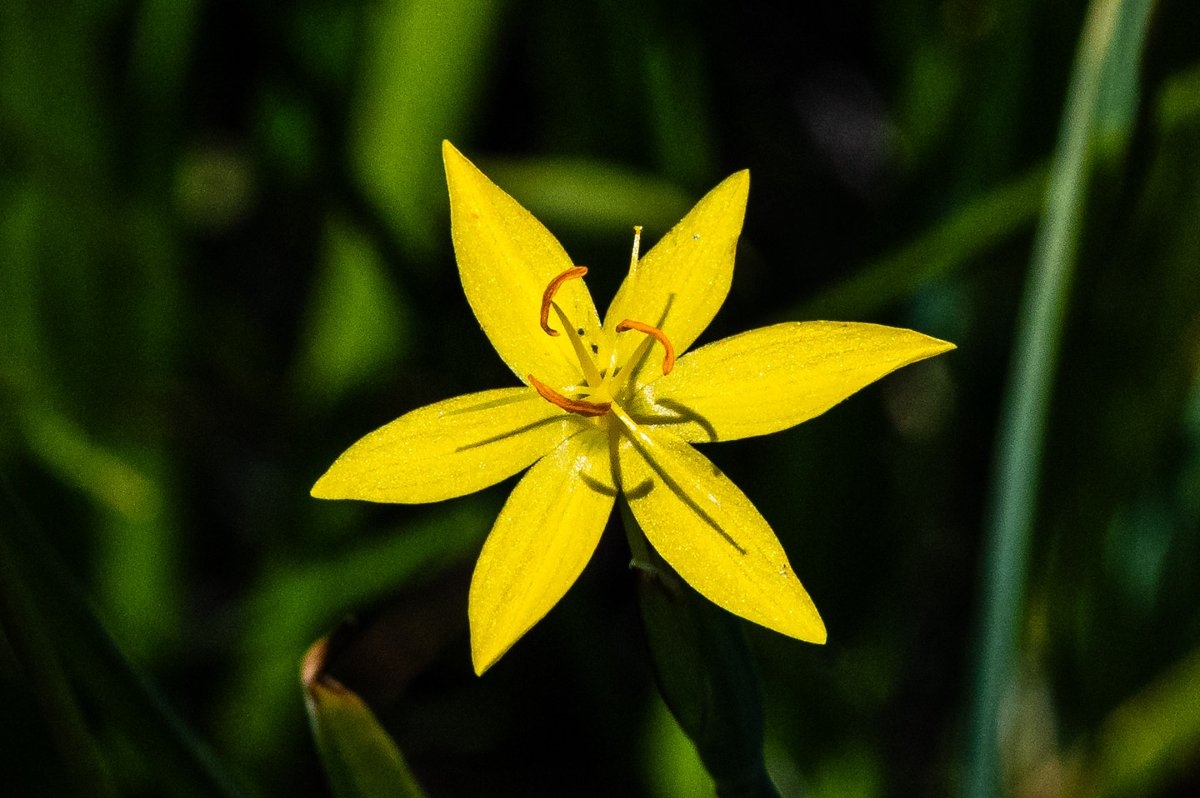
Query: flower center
596	383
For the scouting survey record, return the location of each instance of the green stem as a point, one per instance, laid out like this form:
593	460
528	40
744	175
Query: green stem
1112	28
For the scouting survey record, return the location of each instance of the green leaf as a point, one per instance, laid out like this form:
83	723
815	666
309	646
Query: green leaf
1111	39
357	327
297	599
588	196
1146	740
360	758
424	65
673	73
947	248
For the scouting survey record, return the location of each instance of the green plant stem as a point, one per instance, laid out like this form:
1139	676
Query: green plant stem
1109	26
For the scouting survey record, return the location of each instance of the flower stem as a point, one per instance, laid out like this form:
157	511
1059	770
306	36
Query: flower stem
704	670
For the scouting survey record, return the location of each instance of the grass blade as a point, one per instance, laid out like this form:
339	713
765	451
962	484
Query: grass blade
1107	52
983	223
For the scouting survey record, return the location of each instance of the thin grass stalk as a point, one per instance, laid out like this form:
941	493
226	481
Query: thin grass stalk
1109	26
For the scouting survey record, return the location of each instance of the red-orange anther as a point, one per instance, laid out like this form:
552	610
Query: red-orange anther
658	335
552	289
579	406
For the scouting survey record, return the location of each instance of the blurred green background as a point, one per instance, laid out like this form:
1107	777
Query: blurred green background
224	256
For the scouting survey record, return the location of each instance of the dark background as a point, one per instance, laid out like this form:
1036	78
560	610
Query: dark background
224	256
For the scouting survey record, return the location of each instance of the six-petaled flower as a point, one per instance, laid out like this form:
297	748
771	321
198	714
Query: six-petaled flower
613	406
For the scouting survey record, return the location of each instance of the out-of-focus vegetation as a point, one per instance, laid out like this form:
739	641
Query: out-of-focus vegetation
224	256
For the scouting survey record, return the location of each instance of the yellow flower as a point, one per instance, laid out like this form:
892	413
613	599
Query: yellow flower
606	407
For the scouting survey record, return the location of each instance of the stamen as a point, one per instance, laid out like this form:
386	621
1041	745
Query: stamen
552	289
637	243
579	406
658	335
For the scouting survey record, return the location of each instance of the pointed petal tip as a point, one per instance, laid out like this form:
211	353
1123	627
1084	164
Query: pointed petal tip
940	345
334	484
808	627
451	157
459	168
485	654
326	488
928	345
738	183
488	644
320	489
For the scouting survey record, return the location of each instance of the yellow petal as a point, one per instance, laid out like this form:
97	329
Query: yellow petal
772	378
506	258
712	535
449	449
680	284
543	538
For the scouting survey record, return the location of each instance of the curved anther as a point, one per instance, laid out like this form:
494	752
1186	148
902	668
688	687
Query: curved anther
552	289
658	335
580	407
